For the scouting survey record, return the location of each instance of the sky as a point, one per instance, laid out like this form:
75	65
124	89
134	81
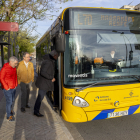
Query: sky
42	26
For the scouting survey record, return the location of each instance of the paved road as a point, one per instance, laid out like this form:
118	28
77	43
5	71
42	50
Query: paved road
122	128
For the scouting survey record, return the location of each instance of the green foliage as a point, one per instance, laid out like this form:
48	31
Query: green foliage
5	49
22	11
25	41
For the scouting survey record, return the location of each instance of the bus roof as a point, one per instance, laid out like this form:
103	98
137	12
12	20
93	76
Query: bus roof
56	22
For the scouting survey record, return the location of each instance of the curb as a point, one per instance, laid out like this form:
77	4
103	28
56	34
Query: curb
59	118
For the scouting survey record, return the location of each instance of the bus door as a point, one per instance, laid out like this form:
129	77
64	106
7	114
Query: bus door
60	83
57	84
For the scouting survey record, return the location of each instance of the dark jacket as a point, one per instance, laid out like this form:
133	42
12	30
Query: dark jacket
44	80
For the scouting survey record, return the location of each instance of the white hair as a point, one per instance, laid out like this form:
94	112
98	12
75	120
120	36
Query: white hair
13	58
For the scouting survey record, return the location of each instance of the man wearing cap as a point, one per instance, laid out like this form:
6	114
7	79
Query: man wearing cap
45	81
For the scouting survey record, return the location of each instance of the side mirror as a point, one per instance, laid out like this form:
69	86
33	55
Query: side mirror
131	55
60	43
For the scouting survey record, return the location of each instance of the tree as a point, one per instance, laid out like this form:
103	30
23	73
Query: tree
22	11
25	41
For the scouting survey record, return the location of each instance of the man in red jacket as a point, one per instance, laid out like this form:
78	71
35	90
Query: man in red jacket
9	83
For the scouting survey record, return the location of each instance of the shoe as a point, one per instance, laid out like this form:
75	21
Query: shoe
38	114
23	110
11	118
27	106
12	113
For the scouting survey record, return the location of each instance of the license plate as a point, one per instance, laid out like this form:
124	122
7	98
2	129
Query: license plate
117	114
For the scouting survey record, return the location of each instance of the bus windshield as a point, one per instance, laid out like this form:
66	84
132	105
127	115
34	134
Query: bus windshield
91	55
101	44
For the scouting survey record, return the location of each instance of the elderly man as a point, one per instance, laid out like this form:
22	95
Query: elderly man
25	74
45	81
9	83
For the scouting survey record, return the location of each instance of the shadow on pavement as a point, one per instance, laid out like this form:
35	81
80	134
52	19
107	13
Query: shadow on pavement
2	108
31	127
3	115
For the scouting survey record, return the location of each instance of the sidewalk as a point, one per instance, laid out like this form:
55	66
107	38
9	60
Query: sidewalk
29	127
1	94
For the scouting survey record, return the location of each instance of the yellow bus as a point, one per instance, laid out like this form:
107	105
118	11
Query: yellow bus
99	62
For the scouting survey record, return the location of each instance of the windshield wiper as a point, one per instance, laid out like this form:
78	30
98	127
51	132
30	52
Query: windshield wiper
121	77
110	82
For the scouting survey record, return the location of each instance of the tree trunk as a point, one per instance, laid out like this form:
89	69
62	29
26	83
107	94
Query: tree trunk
2	53
9	46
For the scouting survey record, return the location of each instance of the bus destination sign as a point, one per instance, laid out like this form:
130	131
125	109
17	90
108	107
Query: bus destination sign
87	19
95	20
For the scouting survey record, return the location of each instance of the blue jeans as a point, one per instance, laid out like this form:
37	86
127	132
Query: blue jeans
10	97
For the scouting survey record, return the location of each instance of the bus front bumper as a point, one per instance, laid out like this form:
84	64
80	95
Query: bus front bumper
113	113
72	113
75	114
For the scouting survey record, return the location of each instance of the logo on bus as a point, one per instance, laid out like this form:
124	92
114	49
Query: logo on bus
131	93
102	98
69	98
78	75
96	99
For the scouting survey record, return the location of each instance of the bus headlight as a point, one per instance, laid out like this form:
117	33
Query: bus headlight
77	101
80	102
